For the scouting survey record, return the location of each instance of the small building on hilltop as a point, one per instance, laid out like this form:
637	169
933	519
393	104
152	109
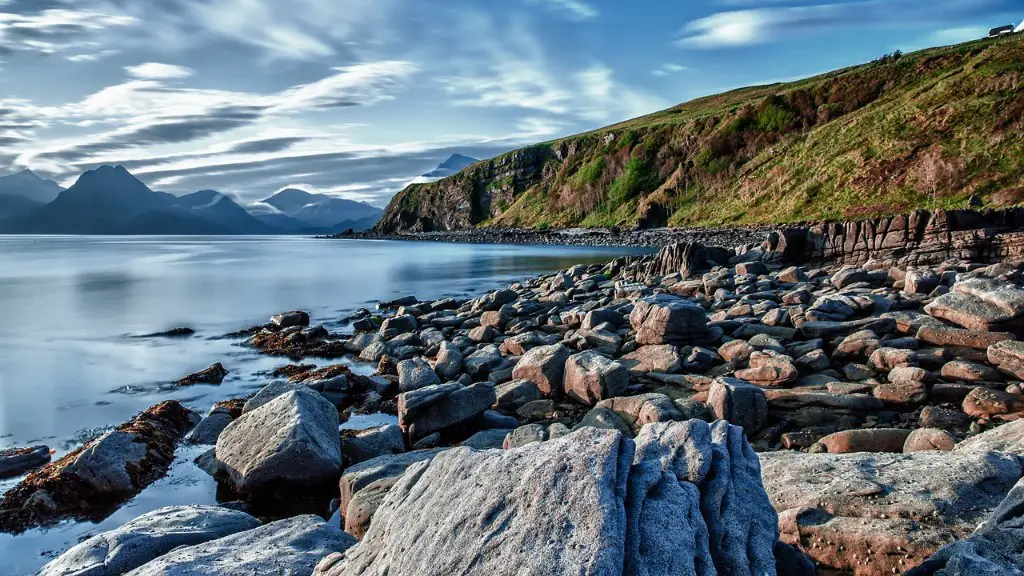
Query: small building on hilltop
1008	29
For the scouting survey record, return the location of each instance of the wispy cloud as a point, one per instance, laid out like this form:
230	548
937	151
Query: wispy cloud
158	71
667	69
575	9
57	30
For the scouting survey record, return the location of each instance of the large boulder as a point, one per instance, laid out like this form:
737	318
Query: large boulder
591	377
92	481
656	358
147	537
434	408
449	361
14	461
290	547
866	440
665	319
545	367
739	403
981	304
872	514
414	374
292	441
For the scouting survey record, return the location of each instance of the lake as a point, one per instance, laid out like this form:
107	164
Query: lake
72	364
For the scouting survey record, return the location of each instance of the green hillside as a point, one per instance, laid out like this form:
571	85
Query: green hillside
932	128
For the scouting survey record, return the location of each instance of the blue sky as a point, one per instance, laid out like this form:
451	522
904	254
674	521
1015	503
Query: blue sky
357	97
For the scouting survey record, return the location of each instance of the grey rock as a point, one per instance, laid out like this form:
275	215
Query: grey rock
493	439
269	392
434	408
289	319
14	461
414	374
739	403
545	367
361	475
209	428
668	319
449	361
511	396
591	377
369	444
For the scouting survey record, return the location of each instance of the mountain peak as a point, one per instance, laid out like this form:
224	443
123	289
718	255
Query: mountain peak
28	184
457	162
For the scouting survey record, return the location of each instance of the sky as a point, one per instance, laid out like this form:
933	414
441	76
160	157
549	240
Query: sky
356	97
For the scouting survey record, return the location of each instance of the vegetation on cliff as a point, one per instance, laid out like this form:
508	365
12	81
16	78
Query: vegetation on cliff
929	129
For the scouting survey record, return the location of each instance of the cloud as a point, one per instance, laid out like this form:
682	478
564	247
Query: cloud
748	27
57	30
158	71
957	35
605	100
574	9
667	69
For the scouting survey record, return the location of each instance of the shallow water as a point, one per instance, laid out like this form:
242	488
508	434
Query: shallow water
71	308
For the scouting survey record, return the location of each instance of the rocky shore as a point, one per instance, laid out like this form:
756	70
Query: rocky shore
766	408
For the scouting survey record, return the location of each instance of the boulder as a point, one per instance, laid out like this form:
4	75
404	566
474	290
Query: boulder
981	304
213	375
591	377
148	537
1005	438
359	476
479	364
872	514
739	403
545	367
866	440
736	352
668	319
92	481
414	374
511	396
435	408
269	392
960	370
290	547
396	325
449	361
663	358
15	461
849	276
943	418
924	439
769	369
289	319
210	427
371	443
292	441
638	411
920	281
942	335
1009	356
985	402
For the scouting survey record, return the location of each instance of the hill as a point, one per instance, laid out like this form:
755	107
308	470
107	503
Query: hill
27	185
942	127
293	207
217	207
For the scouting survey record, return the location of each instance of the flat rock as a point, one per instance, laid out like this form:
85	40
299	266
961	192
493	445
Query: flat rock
435	408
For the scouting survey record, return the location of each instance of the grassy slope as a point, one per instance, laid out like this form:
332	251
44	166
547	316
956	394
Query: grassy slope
931	128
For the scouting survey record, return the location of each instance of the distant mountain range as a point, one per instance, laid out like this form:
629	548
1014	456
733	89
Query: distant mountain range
110	200
453	165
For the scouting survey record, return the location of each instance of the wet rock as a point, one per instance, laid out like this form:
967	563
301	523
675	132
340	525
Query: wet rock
179	332
414	374
871	514
290	547
148	537
924	439
372	443
289	319
869	440
591	377
15	461
91	482
739	403
435	408
668	320
209	429
290	442
545	367
213	375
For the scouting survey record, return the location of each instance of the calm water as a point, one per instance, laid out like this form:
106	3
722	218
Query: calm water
71	308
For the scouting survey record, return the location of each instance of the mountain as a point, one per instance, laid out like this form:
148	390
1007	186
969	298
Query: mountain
941	127
311	210
217	207
109	200
26	184
11	206
453	165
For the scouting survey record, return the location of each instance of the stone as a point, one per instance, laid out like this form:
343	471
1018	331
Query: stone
289	319
792	275
867	440
493	439
494	319
1006	438
483	334
15	461
591	377
91	482
739	403
885	359
290	547
148	537
736	352
545	367
481	363
372	443
924	439
638	411
598	417
858	346
901	394
290	441
364	504
849	276
414	374
435	408
813	361
213	375
449	361
959	370
941	335
985	402
269	392
1008	356
980	304
374	351
829	330
871	514
511	396
668	319
209	428
920	281
769	369
357	477
663	358
399	324
943	418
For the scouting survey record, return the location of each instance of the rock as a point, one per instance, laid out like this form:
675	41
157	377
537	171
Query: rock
269	392
590	377
435	408
638	411
829	330
399	324
289	319
364	504
924	439
15	461
148	537
493	439
981	304
792	275
969	371
359	476
985	402
292	441
479	364
902	393
209	429
494	319
92	481
813	361
920	281
545	367
483	334
178	332
372	443
769	369
663	358
449	361
736	352
414	374
1008	356
511	396
849	276
739	403
943	418
871	514
668	319
213	375
1005	438
598	417
869	440
885	359
941	335
290	547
